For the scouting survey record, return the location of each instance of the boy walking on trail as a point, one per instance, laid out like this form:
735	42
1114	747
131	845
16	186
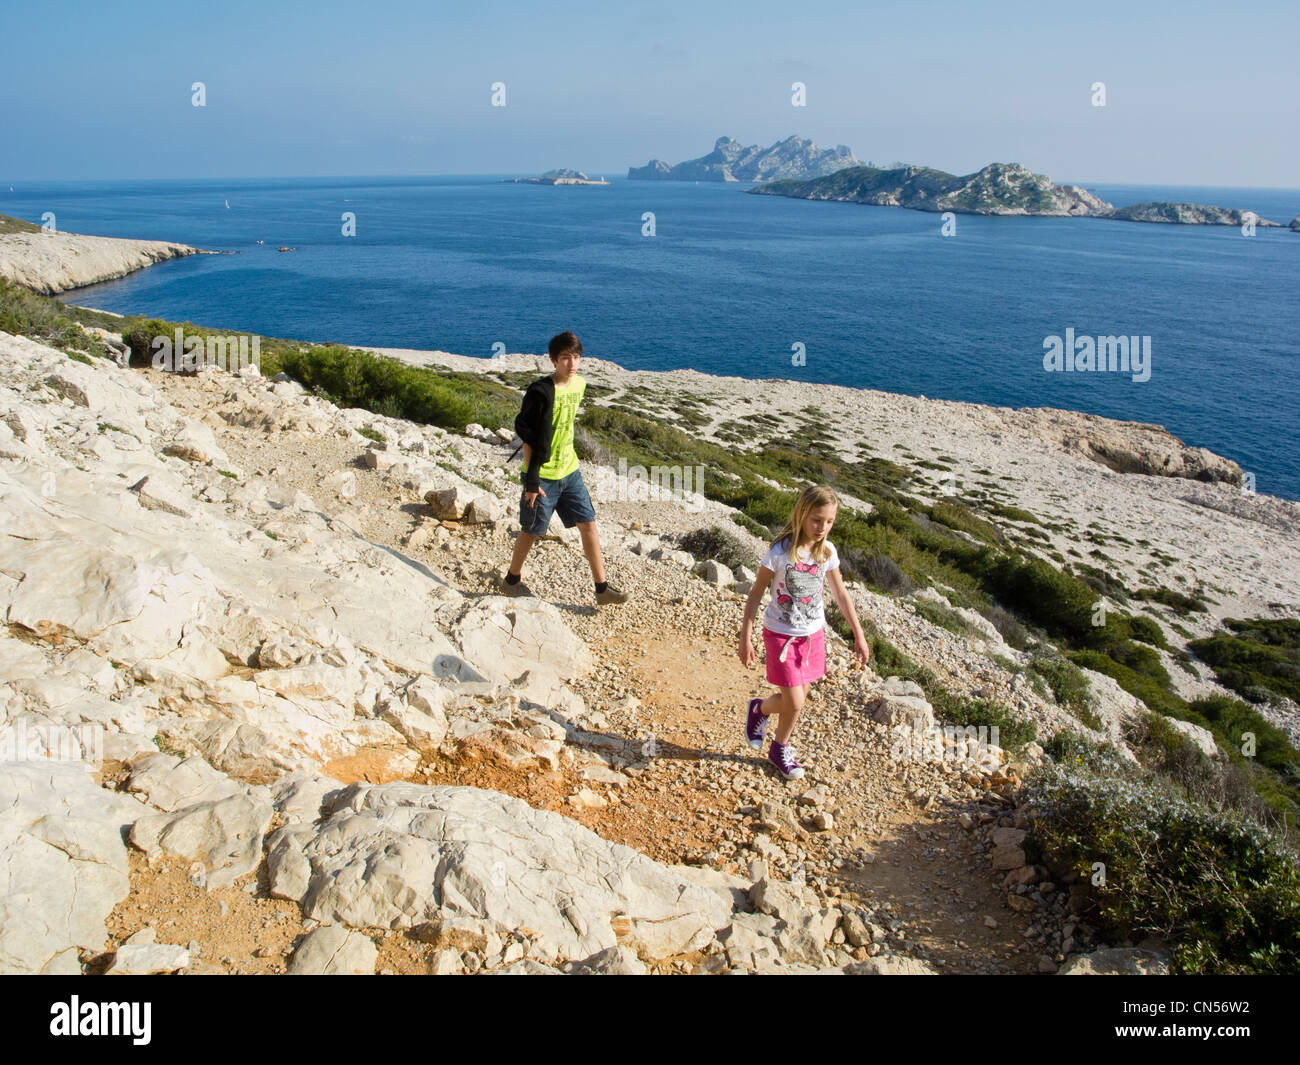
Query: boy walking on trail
552	482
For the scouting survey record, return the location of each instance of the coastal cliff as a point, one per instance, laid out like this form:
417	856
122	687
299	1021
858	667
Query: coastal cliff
57	262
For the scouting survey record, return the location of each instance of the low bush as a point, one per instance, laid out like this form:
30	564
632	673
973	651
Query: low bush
1013	633
718	544
1224	895
1258	659
880	572
1066	682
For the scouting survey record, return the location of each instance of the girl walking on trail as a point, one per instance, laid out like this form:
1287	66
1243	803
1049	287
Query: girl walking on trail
797	566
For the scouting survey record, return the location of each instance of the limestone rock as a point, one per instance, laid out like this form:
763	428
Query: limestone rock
56	262
750	940
507	637
1117	961
398	855
225	834
484	508
900	702
615	961
300	796
168	783
332	950
142	959
715	573
158	493
890	965
1203	738
63	865
526	967
450	503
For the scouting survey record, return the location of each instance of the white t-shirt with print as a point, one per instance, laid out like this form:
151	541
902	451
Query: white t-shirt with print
795	607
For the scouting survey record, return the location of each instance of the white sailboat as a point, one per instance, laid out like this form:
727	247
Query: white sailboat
227	205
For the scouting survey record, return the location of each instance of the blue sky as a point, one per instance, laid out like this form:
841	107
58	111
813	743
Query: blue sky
1196	94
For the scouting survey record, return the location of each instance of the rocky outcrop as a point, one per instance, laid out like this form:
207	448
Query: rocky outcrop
57	262
1125	447
1188	214
998	189
403	855
1295	224
792	158
63	864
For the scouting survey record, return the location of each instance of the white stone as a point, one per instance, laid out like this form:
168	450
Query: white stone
332	950
397	855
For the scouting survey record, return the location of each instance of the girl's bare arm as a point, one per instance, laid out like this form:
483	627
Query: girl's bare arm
746	647
845	602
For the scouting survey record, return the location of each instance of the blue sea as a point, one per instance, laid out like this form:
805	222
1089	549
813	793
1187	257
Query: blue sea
730	283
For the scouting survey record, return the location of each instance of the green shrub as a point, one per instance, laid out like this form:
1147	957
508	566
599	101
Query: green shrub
956	516
1061	604
1008	625
1065	680
1183	604
46	321
1233	719
945	617
1013	732
1259	657
718	544
1099	580
1146	688
1223	894
879	571
1148	631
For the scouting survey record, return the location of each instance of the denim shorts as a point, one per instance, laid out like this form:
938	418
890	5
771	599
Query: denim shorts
567	497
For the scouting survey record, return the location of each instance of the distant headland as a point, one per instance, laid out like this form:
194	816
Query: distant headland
563	176
997	189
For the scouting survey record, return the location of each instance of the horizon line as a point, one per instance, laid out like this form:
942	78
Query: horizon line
619	174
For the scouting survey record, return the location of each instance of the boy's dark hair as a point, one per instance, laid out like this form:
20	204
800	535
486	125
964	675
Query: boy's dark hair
564	344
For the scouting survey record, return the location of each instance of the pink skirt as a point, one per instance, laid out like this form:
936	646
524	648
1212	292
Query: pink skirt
805	658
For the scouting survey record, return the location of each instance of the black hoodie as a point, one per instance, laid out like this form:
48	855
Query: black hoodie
533	424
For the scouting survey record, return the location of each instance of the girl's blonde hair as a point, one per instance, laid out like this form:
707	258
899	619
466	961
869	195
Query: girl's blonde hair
812	497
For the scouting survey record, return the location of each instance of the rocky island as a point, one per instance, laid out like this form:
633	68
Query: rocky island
563	176
792	158
997	189
1188	214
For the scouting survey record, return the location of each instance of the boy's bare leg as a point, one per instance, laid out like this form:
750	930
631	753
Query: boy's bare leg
590	548
523	544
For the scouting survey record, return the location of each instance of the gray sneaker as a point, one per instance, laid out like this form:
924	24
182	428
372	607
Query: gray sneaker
611	595
519	588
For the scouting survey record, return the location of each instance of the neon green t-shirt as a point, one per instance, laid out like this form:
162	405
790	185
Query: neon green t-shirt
563	460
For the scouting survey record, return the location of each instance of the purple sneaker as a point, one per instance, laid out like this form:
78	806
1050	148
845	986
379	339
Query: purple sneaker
781	755
755	724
